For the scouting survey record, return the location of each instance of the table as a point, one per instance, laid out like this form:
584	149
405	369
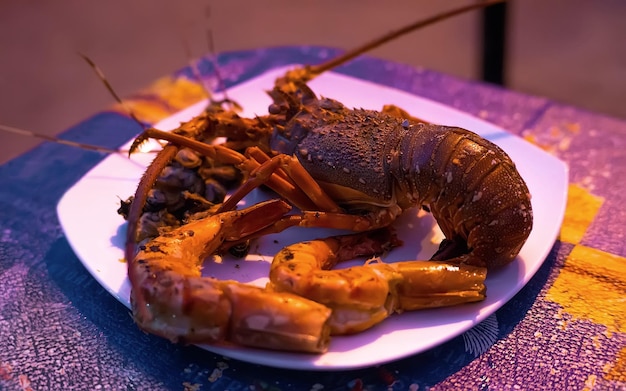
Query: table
564	330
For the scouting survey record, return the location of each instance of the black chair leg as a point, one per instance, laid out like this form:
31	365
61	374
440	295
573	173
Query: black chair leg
494	40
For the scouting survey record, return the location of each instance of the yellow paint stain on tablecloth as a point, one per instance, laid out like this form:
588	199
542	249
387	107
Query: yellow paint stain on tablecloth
163	98
617	372
581	209
590	383
592	285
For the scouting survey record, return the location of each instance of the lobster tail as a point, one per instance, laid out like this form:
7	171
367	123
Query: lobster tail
478	198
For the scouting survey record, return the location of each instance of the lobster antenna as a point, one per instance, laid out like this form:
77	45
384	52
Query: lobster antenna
213	59
119	100
320	68
108	86
57	140
90	147
194	69
192	63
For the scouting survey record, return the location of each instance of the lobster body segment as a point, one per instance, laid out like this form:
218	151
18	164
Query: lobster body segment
369	160
346	151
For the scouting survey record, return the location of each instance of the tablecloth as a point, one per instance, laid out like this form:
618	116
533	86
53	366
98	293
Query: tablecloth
60	330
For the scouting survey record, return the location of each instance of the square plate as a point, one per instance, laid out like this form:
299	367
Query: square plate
97	234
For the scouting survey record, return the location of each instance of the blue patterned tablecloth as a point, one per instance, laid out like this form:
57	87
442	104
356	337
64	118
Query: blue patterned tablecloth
59	330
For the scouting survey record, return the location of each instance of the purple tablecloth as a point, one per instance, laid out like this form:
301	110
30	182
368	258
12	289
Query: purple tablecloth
59	330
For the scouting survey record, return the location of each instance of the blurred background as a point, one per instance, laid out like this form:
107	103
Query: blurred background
572	51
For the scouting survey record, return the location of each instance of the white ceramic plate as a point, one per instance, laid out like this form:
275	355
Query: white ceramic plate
97	233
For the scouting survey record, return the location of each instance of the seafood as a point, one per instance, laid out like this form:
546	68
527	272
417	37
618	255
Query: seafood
170	298
302	306
362	296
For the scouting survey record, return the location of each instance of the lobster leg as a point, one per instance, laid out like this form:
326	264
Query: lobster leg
280	184
141	194
215	124
317	219
294	170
